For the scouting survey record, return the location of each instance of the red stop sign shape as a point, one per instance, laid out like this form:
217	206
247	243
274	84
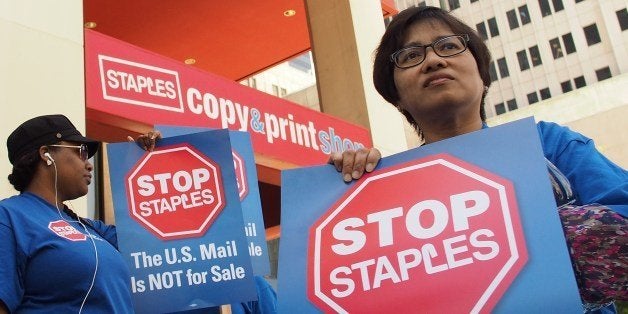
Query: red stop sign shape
438	235
63	229
175	192
240	172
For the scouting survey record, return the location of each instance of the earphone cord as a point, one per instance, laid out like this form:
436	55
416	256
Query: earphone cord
91	286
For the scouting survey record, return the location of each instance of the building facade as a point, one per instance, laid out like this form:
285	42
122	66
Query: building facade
544	48
546	54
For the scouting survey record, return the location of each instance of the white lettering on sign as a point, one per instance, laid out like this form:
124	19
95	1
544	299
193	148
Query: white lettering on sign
234	115
187	183
182	181
458	251
140	84
373	272
354	240
225	274
172	203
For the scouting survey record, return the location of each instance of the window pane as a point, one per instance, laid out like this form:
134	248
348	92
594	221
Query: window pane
512	104
557	51
603	74
524	14
558	5
535	55
492	73
492	26
500	108
503	68
545	8
533	98
570	47
522	56
566	86
622	17
302	63
592	35
512	19
580	82
454	4
545	93
482	30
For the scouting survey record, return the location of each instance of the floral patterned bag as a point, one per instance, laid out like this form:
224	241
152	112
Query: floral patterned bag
598	244
597	238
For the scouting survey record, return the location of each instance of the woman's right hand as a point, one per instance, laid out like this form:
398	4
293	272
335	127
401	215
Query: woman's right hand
353	163
147	141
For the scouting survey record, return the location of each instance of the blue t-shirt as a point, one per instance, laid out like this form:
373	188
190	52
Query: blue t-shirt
266	302
48	260
593	178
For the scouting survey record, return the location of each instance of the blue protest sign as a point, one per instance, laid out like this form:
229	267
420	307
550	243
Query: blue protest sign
467	224
248	190
179	223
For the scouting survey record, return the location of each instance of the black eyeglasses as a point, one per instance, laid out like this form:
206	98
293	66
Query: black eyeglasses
444	47
83	152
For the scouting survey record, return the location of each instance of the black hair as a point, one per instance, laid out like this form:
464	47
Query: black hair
24	170
74	216
393	40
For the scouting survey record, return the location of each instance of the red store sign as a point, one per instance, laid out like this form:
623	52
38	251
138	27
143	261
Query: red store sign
126	81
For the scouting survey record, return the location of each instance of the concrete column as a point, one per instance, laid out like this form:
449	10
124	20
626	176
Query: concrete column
344	35
41	71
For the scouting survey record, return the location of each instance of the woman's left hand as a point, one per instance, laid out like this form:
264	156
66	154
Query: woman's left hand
354	163
147	141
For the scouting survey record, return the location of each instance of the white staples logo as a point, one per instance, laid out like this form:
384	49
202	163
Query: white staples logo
140	84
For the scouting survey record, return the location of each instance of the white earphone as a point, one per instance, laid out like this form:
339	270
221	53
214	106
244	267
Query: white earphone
50	160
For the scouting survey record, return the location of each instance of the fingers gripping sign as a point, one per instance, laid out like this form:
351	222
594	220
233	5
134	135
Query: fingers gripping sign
147	141
354	163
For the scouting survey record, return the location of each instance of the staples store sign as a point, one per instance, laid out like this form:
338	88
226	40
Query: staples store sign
139	84
126	81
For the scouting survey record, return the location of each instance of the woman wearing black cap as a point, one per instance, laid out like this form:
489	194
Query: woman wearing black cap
51	260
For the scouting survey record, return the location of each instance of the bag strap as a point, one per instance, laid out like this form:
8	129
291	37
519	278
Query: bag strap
563	194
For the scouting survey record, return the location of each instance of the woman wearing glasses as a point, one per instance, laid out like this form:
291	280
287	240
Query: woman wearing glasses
435	70
51	260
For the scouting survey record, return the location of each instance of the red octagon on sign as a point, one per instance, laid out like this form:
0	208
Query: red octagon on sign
240	171
438	235
175	192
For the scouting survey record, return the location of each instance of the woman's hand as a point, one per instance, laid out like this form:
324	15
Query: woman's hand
147	141
354	163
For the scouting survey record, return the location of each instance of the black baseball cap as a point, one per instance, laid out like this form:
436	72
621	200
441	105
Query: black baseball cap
45	130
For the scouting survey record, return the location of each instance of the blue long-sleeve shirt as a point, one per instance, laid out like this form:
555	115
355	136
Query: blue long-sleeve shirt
593	177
